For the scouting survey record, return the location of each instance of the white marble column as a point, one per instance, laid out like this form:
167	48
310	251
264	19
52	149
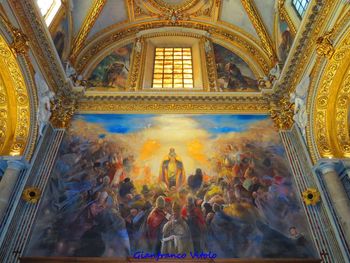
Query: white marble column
337	194
9	179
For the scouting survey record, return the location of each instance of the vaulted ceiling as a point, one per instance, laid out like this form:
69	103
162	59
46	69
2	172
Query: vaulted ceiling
227	13
250	28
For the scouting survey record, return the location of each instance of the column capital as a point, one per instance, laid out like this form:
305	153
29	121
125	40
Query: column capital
328	165
15	162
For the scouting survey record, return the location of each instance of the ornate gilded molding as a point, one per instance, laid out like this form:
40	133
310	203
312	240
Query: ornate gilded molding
330	111
341	116
304	48
324	45
147	103
4	115
27	72
134	76
210	63
314	78
20	44
40	42
90	19
206	10
285	16
14	101
64	106
282	114
246	45
260	28
166	7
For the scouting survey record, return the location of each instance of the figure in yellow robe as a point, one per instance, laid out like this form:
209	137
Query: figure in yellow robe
172	171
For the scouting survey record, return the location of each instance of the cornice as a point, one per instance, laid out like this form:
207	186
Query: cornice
165	103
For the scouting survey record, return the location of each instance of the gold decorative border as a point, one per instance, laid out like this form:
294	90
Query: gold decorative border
331	104
211	73
4	116
40	42
165	7
27	71
314	78
341	115
178	102
174	107
18	109
304	48
90	19
246	45
260	28
285	16
134	75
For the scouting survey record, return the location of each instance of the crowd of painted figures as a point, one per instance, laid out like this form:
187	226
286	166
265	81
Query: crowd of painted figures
246	208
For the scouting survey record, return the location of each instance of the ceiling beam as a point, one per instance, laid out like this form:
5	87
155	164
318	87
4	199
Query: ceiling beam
260	28
87	25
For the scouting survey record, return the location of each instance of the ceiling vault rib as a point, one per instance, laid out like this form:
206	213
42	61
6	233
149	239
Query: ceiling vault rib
88	23
260	28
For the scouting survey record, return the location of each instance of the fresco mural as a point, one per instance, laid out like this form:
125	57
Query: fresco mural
155	186
113	70
285	41
233	73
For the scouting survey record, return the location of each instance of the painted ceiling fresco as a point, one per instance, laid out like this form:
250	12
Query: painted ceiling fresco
84	24
113	70
152	186
233	73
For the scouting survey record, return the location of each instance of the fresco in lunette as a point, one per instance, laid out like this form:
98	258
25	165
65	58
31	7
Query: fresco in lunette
112	71
233	72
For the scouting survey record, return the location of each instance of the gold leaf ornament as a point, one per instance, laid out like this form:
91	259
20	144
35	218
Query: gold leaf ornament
311	196
31	194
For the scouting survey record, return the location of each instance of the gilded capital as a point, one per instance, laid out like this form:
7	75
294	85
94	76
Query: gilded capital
282	114
64	107
324	45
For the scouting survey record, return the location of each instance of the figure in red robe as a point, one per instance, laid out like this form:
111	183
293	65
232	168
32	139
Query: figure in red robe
196	223
155	223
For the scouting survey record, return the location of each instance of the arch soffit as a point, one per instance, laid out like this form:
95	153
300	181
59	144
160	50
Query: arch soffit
14	103
330	107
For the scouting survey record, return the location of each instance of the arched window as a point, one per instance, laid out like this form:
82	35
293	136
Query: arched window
49	9
300	6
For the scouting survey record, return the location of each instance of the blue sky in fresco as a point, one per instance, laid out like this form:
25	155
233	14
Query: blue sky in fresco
214	124
218	124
